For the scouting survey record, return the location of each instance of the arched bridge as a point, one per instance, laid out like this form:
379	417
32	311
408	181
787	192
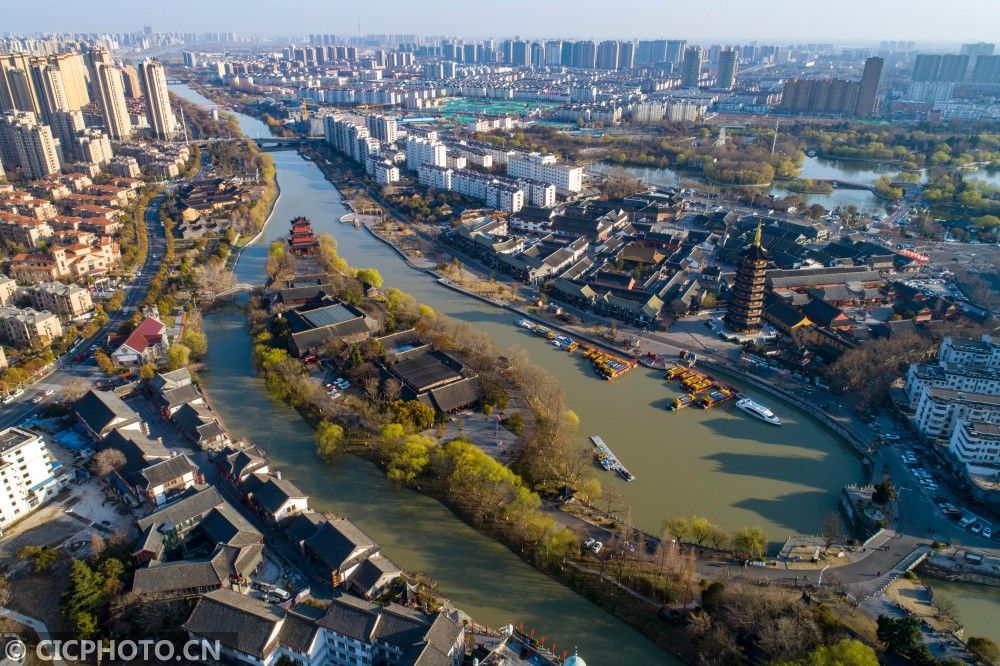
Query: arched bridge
235	289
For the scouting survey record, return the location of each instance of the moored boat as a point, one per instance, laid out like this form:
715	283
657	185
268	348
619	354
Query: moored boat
757	410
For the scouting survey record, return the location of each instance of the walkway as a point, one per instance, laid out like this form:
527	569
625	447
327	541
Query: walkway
36	625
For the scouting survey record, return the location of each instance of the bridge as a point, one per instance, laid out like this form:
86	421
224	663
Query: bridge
265	142
235	289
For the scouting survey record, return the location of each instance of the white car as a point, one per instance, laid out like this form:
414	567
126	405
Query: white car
976	528
987	532
597	547
589	542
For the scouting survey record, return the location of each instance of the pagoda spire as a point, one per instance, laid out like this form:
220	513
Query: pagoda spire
756	238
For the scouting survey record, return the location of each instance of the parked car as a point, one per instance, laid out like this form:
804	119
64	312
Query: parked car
976	528
987	532
589	542
597	547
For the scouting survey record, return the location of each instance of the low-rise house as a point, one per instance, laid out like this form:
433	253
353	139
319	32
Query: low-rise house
171	399
194	545
340	547
165	381
146	343
101	412
642	313
823	314
372	576
162	481
276	498
200	427
433	377
240	464
312	326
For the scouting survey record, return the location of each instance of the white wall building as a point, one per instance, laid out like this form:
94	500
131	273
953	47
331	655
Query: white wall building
438	177
939	410
28	475
420	150
546	168
976	444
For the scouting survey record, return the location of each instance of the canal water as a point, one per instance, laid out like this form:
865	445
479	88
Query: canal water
719	464
977	606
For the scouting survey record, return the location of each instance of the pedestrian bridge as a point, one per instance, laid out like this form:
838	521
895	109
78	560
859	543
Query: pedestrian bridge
235	289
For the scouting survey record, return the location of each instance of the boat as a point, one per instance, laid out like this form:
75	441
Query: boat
755	409
681	401
715	396
526	323
607	460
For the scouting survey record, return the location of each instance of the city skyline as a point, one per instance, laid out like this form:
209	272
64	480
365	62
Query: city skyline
777	20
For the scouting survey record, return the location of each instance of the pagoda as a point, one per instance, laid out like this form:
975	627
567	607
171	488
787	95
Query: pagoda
302	240
746	300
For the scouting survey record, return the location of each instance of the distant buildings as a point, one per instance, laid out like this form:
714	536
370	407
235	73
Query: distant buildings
27	144
726	79
111	94
694	59
836	96
29	475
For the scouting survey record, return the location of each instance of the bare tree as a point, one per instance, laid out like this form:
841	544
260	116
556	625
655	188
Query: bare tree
832	529
370	385
107	461
392	389
214	278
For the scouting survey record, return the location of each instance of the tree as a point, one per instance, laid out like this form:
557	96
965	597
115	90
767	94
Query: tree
104	362
411	459
700	529
900	635
370	277
984	649
107	461
116	301
178	356
391	389
750	540
147	371
884	492
195	341
678	528
213	278
845	652
42	558
832	529
329	438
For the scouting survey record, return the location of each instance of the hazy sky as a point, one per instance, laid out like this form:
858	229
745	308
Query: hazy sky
773	20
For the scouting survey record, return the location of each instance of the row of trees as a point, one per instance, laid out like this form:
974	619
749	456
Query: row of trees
747	541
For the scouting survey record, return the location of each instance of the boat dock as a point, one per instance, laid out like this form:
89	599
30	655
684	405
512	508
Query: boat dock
701	389
607	460
608	365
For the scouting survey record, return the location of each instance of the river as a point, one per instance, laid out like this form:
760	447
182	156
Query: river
719	464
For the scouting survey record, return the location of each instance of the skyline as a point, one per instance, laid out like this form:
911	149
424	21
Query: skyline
782	21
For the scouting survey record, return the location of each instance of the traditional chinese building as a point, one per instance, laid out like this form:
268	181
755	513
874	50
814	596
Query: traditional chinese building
746	301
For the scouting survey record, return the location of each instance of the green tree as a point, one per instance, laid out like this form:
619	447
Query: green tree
411	459
147	371
984	649
900	635
329	438
42	559
845	652
425	311
701	528
884	492
370	276
750	540
84	595
678	528
178	356
196	342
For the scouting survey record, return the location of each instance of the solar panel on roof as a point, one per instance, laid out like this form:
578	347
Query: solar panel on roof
328	315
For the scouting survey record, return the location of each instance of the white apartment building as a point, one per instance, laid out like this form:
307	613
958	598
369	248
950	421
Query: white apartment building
385	172
26	143
538	193
8	287
976	444
29	475
67	300
972	366
504	195
383	128
438	177
456	161
545	168
93	146
420	150
940	409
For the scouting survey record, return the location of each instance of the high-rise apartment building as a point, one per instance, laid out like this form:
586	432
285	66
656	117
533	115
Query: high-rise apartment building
111	93
27	144
976	51
675	50
132	82
694	58
987	69
50	90
607	55
154	88
626	55
868	90
726	79
585	54
383	128
953	67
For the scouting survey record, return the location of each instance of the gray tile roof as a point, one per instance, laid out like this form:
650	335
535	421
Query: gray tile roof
165	471
335	541
273	494
237	621
169	380
100	409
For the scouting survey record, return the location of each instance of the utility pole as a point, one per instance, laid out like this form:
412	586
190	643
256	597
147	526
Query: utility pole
184	126
774	141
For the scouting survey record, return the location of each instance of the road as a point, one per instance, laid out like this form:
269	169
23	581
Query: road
66	370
